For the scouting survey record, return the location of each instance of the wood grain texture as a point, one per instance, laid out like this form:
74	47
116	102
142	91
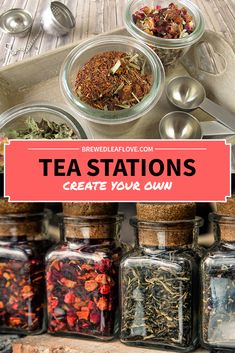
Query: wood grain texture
98	16
49	344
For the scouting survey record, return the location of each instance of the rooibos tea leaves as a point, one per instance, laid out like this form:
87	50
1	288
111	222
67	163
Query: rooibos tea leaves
113	81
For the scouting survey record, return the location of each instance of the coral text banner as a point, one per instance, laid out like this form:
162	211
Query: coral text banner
117	170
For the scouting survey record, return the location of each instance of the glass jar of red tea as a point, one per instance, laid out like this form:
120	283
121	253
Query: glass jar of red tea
82	278
22	280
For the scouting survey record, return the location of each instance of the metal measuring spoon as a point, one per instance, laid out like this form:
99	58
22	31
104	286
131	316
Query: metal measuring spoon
187	93
179	125
182	125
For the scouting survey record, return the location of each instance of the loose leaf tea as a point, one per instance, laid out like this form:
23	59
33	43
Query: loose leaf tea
171	22
21	295
44	129
82	290
218	309
168	23
157	300
113	81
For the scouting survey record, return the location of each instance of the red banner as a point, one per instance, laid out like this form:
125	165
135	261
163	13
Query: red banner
116	170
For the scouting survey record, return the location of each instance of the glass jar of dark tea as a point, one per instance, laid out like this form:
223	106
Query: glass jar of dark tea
159	286
82	278
22	280
218	287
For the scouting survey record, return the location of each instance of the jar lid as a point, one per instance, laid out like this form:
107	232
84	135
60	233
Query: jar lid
7	207
20	225
165	211
90	208
166	233
91	227
226	208
226	226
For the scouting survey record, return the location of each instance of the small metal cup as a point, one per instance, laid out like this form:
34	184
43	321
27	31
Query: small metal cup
16	22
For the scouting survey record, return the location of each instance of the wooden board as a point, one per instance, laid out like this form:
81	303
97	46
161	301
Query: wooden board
98	16
50	344
36	79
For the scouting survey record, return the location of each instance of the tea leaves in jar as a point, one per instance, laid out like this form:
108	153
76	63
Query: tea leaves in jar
157	304
113	81
82	292
171	22
218	300
21	294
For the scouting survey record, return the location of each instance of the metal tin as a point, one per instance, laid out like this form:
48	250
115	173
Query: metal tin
16	22
57	19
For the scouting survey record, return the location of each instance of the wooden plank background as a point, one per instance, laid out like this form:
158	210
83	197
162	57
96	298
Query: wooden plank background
97	16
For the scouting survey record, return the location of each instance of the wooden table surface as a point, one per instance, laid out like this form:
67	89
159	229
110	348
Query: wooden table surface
97	16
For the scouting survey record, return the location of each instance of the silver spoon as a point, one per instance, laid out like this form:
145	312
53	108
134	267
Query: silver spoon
187	93
179	125
182	125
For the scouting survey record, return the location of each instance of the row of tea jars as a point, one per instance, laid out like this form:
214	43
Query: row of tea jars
22	247
82	272
159	278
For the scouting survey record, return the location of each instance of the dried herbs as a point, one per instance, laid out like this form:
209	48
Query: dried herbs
218	307
44	129
171	22
82	289
113	81
156	300
21	293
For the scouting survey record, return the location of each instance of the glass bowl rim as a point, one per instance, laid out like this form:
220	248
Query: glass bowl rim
111	117
163	42
17	111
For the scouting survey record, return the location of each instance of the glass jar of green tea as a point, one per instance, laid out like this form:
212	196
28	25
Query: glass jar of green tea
218	285
22	287
159	283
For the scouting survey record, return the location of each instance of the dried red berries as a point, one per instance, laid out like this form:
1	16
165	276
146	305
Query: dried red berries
171	22
82	289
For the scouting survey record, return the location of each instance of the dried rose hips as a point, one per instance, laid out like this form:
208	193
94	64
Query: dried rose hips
82	288
171	22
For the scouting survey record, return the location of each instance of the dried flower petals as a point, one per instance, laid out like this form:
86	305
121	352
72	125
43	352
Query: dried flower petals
21	285
113	81
82	294
171	22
